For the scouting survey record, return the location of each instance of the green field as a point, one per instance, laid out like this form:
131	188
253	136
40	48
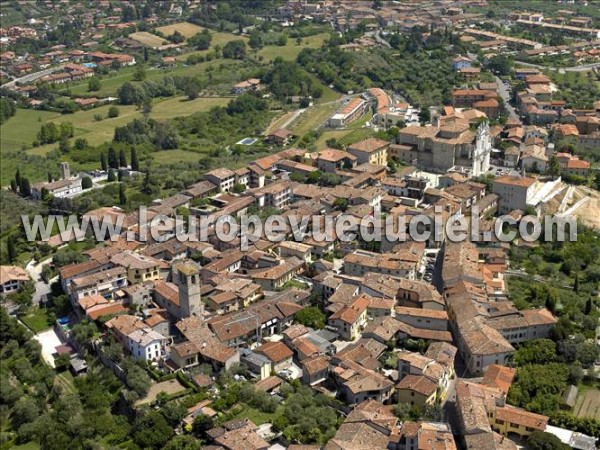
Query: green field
175	156
109	84
291	50
148	39
218	38
22	128
37	319
187	29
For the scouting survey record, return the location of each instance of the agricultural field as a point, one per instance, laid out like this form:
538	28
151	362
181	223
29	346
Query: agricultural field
187	29
588	404
148	39
312	118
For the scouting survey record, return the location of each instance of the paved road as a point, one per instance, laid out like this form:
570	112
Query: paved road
41	288
505	95
580	68
32	76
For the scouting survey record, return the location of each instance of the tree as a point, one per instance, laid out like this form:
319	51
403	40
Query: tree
311	317
135	164
122	158
424	115
192	88
18	177
103	162
282	40
553	167
81	143
25	188
86	183
239	188
25	410
255	41
64	145
540	440
11	249
202	423
235	49
152	431
113	112
111	175
94	84
140	73
183	442
201	41
500	64
122	195
537	351
113	159
341	204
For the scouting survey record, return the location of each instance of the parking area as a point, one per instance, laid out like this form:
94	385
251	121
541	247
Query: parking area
49	341
291	372
428	265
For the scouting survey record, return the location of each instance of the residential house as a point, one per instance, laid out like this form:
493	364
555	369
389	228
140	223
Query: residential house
12	278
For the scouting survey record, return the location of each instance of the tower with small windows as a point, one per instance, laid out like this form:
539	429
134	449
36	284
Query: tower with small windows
188	277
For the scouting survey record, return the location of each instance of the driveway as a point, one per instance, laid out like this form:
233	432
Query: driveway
49	341
41	288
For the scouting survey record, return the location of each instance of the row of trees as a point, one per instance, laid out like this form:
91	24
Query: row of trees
137	93
116	160
7	109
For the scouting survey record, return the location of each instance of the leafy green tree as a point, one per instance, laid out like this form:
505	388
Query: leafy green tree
25	187
86	183
540	440
235	49
140	73
183	442
255	41
152	431
311	317
94	84
202	423
553	167
113	112
111	175
538	351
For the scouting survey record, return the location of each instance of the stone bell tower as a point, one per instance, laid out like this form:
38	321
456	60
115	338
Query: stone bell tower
190	303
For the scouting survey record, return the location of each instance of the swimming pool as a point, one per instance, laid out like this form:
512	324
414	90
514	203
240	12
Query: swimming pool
247	141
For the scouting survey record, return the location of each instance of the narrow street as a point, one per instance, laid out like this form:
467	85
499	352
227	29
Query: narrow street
505	96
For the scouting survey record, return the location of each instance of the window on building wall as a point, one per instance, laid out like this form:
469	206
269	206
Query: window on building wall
514	425
500	422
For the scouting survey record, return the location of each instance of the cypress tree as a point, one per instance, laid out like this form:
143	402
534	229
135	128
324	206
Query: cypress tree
135	164
103	162
122	159
122	196
11	249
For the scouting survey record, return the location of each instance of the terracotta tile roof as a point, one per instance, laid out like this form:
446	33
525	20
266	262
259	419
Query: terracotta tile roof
352	312
500	377
315	364
275	351
12	273
519	416
418	383
369	145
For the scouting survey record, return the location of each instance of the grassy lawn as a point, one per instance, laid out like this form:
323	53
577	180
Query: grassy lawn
22	128
98	132
291	50
187	29
65	379
37	319
330	134
256	416
26	446
181	106
148	39
218	38
109	84
312	118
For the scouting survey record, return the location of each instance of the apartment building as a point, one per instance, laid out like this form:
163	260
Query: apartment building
371	150
223	178
348	113
514	192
